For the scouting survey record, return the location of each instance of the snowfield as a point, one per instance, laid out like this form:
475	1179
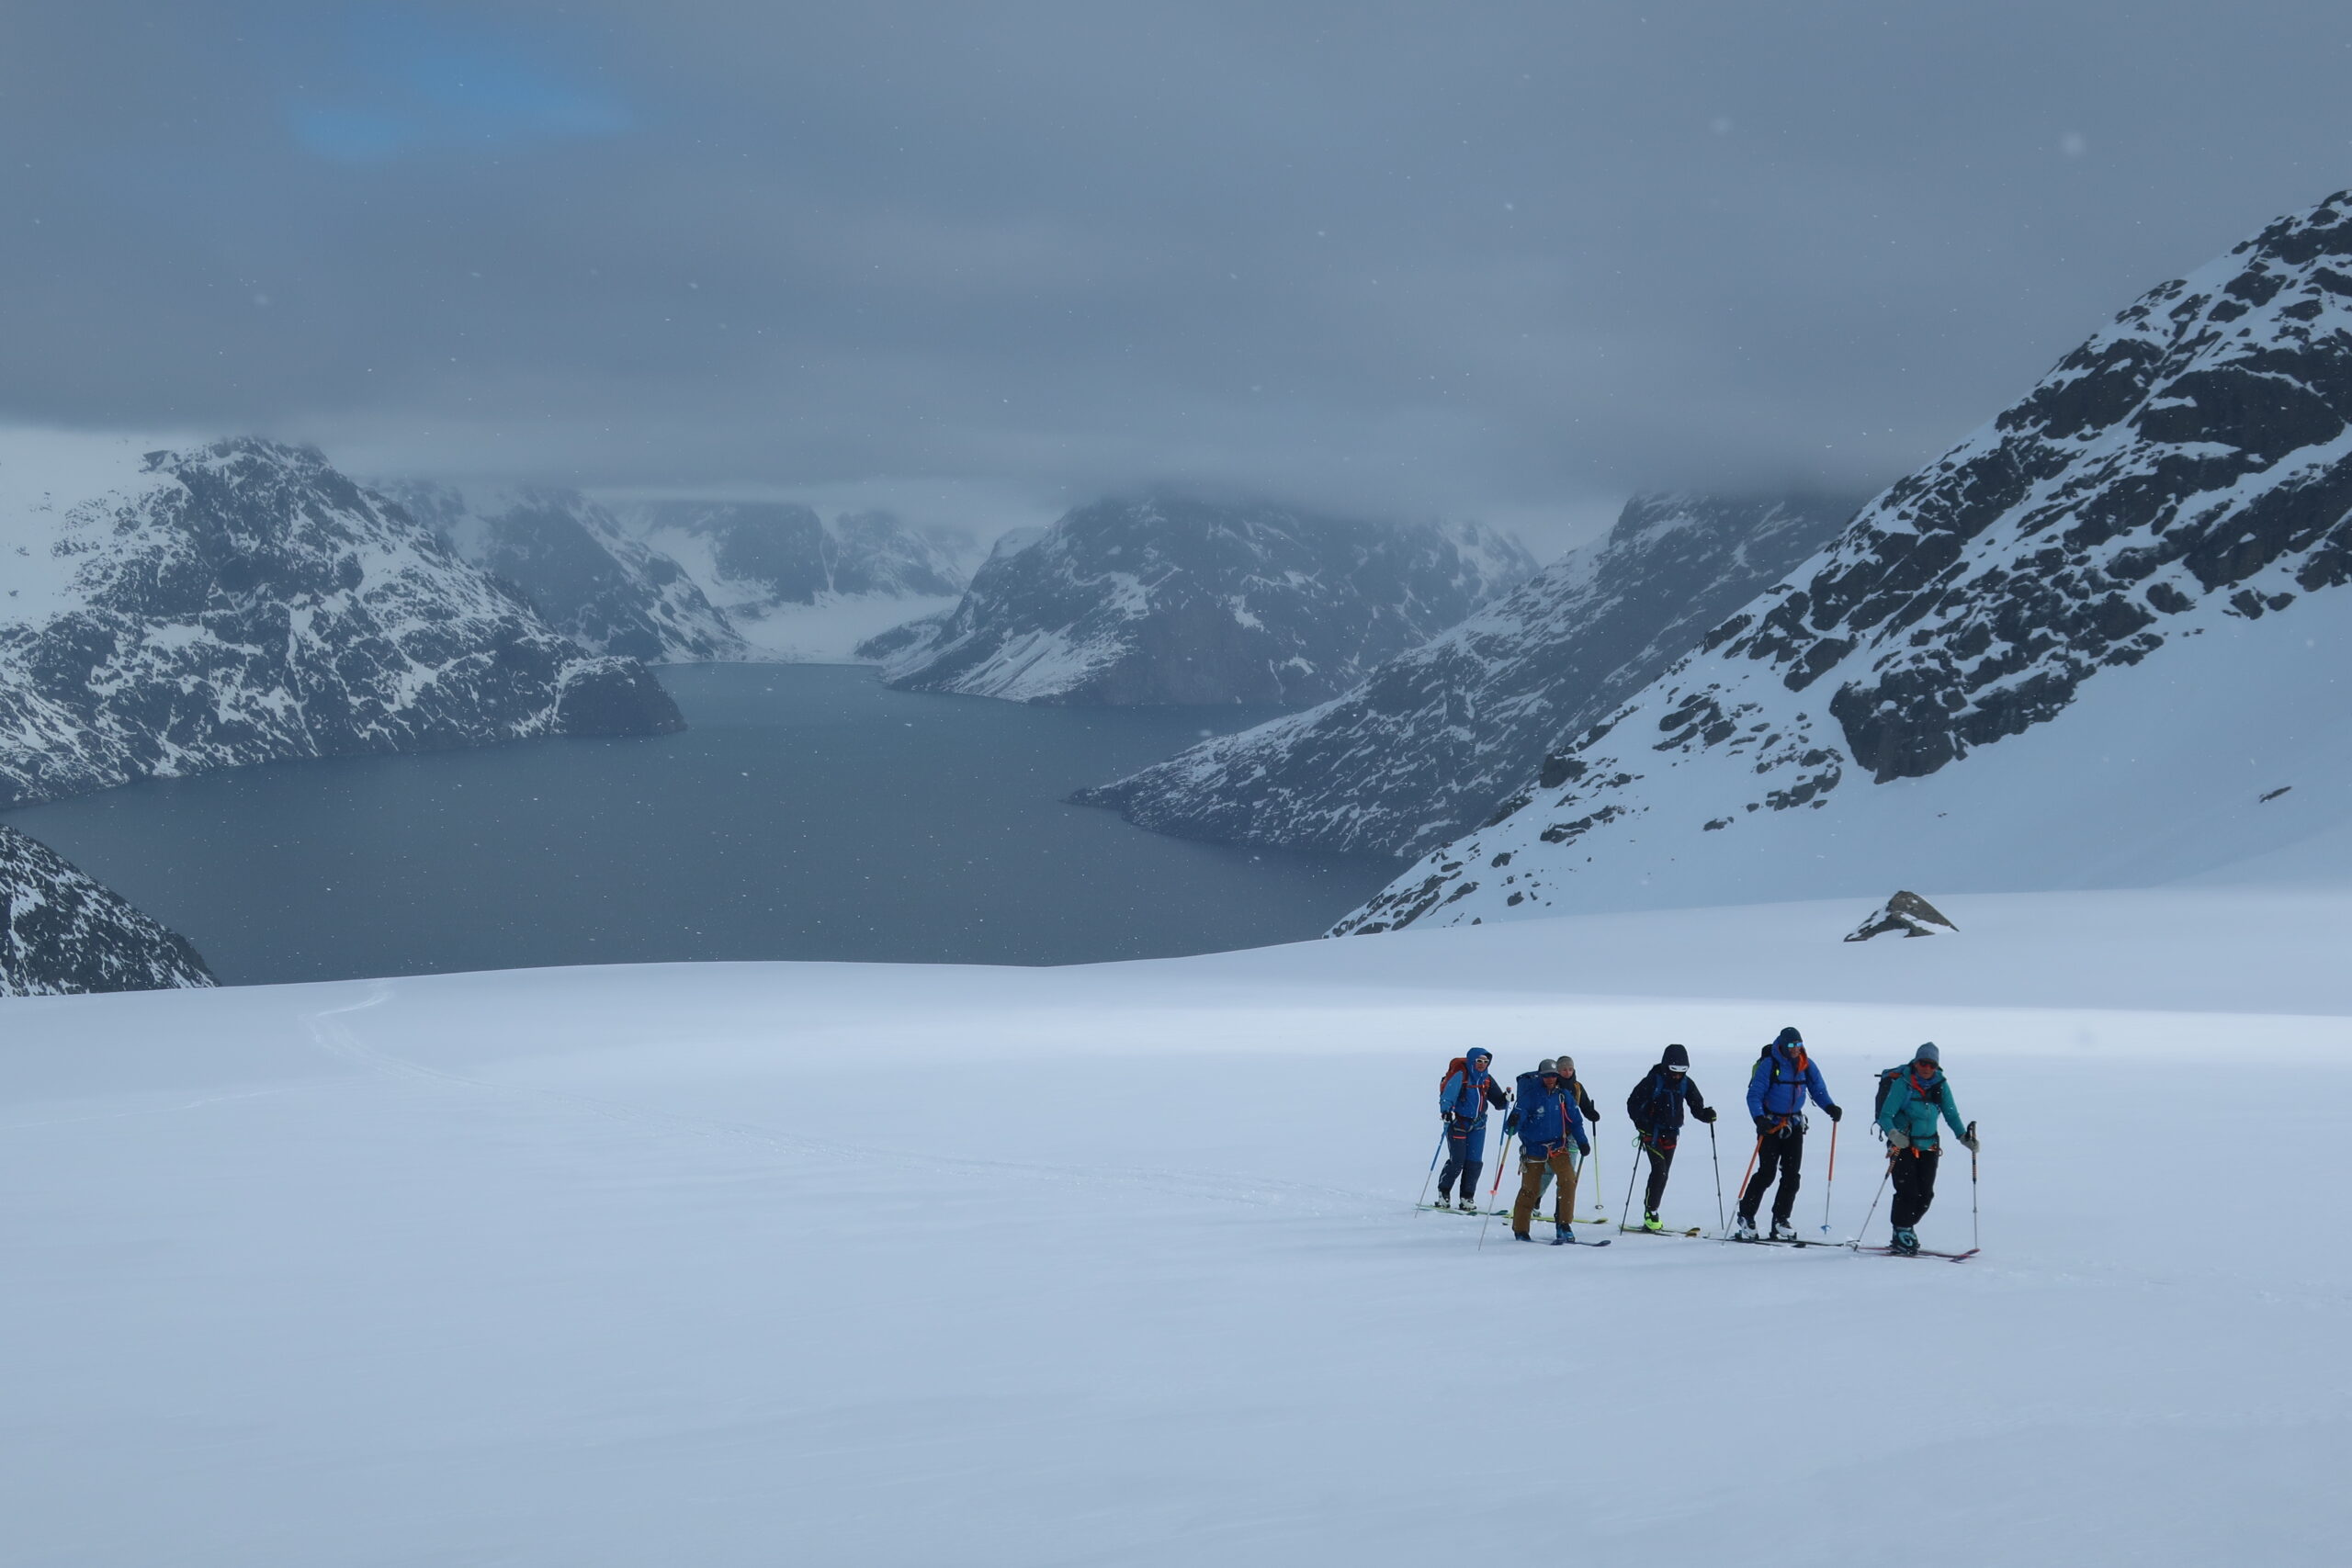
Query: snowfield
821	1263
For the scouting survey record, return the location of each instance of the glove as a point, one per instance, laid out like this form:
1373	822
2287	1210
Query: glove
1968	1139
1898	1139
1511	1125
1584	1151
1837	1113
1707	1115
1762	1122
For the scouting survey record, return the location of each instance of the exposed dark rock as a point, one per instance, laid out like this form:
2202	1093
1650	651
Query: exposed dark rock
1906	912
61	933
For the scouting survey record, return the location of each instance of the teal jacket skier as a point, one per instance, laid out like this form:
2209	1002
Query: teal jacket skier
1911	1101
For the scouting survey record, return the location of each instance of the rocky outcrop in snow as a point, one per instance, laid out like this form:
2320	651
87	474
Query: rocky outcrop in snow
1906	913
2187	470
174	611
588	578
1174	601
61	933
1434	740
797	587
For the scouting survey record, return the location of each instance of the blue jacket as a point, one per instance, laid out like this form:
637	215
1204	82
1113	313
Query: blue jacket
1547	1119
1784	1075
1469	1091
1912	1106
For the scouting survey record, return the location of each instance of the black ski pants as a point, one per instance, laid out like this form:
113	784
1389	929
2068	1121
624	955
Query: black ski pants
1661	1153
1914	1185
1777	1154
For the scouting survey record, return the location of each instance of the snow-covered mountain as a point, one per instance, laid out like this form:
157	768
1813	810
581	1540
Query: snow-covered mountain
1167	600
168	612
797	587
589	578
1434	740
61	931
2097	642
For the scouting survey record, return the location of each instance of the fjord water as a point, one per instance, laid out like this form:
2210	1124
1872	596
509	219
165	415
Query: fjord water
807	812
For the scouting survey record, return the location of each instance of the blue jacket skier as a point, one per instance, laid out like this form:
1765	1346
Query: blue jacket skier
1549	1124
1915	1098
1657	1105
1463	1099
1784	1078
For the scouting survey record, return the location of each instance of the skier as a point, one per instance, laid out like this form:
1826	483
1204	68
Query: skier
1655	1106
1567	1066
1463	1099
1914	1097
1776	1096
1548	1123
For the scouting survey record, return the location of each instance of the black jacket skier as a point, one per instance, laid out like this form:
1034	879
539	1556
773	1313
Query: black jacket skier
1656	1107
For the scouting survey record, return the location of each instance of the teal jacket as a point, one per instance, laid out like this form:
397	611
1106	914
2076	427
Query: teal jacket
1912	1106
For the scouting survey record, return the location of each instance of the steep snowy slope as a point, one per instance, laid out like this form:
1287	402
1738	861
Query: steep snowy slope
798	588
1178	601
588	578
741	1265
2079	649
1434	740
173	611
61	931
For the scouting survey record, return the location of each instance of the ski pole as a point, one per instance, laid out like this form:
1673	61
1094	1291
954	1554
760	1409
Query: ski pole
1829	1181
1595	1158
1975	1229
1427	1179
1721	1223
1744	1175
1636	1163
1857	1242
1488	1218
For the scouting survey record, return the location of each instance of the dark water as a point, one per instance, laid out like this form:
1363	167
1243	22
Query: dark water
809	812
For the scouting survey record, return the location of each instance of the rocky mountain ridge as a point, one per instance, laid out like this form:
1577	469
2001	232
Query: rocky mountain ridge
589	578
171	611
2183	478
1179	600
61	933
1435	739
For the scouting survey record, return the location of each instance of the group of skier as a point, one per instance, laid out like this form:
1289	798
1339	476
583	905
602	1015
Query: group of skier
1550	1114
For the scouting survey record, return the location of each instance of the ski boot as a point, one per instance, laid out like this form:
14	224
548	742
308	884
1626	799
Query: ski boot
1467	1206
1521	1236
1906	1242
1563	1236
1784	1230
1650	1222
1743	1229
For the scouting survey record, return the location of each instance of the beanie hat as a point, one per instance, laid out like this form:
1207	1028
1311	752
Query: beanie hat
1789	1036
1676	1057
1929	1053
1567	1067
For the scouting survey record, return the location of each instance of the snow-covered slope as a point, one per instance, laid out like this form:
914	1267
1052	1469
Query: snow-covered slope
799	589
171	610
732	1265
1434	740
2081	649
61	931
1167	600
588	578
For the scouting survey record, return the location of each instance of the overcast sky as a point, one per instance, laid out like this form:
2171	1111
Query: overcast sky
1464	259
